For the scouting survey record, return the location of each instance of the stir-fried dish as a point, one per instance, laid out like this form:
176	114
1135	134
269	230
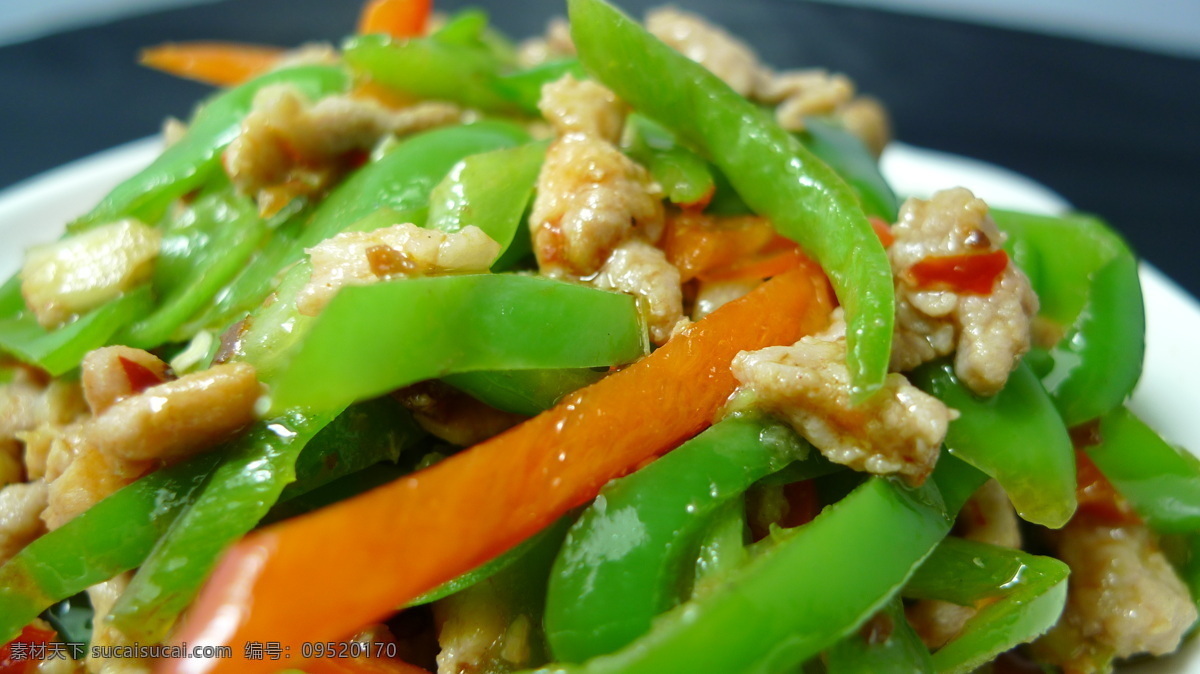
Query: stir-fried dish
608	351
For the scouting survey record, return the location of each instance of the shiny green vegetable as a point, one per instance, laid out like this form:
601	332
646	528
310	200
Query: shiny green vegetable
722	546
771	170
488	322
1015	436
626	558
253	472
1029	593
789	603
61	350
399	183
112	536
490	190
847	155
430	68
195	158
1095	294
684	176
1161	481
201	252
887	643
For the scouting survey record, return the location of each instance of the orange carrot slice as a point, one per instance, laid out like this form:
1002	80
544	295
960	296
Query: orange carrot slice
320	576
223	64
398	18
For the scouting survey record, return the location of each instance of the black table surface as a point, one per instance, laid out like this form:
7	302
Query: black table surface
1116	131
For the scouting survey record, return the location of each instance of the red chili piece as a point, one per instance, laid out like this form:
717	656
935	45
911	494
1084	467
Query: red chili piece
140	377
17	657
974	273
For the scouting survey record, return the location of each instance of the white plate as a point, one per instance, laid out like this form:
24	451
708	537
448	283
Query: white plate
1167	397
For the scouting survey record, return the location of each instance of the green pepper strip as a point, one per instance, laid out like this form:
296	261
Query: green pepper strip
1015	436
430	68
1096	294
253	472
218	235
399	181
1161	481
190	162
60	350
771	170
490	191
684	176
847	155
1030	593
894	647
623	558
119	532
113	536
345	358
808	588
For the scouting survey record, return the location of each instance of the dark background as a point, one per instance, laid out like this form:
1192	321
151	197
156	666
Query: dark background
1114	130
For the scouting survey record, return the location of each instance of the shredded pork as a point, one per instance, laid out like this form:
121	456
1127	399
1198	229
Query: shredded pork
898	431
400	251
289	146
1123	597
69	277
988	333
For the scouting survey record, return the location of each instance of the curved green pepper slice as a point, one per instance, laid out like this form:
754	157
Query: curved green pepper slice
623	560
1030	592
808	588
1161	481
373	339
1015	436
771	170
847	155
1096	295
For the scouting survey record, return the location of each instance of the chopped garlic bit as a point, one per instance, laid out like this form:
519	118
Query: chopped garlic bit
75	275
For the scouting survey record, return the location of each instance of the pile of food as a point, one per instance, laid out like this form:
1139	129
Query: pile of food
611	351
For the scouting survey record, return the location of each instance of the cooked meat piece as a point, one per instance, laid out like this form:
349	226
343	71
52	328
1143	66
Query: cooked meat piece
178	418
555	44
86	477
709	45
112	373
20	507
452	415
897	431
103	596
1123	597
802	93
712	295
590	198
399	251
866	118
641	270
290	146
80	273
582	106
990	332
30	402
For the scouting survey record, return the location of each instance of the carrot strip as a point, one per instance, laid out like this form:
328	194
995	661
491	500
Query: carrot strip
760	268
223	64
320	576
697	242
398	18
